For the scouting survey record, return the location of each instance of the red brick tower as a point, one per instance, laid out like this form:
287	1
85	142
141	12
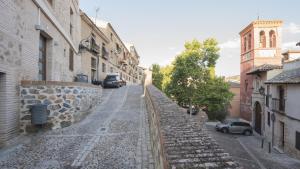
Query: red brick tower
260	44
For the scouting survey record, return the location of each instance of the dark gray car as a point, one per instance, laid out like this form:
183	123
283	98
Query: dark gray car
235	127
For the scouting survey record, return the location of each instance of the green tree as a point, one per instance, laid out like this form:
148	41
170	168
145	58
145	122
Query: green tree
215	97
166	72
157	76
192	80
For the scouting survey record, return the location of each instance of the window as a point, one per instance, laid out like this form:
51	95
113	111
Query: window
111	36
269	118
246	85
42	58
103	67
249	41
245	44
93	69
71	60
272	37
281	98
71	21
111	69
262	39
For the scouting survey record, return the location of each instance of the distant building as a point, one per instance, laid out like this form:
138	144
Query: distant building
141	74
291	55
282	107
234	110
260	44
93	49
123	58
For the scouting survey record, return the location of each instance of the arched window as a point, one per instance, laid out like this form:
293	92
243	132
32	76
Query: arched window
245	44
272	39
262	39
249	41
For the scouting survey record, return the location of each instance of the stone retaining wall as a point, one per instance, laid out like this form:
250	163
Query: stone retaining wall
67	102
181	141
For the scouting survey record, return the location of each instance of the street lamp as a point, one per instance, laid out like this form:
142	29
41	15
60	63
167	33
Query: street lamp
261	91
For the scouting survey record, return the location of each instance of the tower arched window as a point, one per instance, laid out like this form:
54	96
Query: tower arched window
262	39
249	41
245	44
272	37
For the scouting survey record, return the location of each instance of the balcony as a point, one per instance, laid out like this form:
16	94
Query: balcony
95	48
278	105
105	54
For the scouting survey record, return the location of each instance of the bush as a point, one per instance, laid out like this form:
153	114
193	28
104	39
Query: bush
220	115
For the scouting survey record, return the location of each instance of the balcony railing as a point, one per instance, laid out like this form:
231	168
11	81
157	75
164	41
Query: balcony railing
278	105
95	48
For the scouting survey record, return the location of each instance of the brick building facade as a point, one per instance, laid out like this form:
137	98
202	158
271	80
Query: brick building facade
260	44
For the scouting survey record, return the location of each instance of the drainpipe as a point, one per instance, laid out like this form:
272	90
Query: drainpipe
39	16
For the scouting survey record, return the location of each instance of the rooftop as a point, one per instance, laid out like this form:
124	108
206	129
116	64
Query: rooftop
286	77
262	23
263	68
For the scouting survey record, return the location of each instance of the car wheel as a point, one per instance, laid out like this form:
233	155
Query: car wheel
247	133
224	130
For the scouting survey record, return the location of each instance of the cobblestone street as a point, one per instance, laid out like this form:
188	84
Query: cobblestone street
247	152
114	135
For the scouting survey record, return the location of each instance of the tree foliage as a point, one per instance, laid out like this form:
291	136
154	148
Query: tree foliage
192	80
157	76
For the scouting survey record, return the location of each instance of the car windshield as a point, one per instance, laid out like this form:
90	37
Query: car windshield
110	78
226	121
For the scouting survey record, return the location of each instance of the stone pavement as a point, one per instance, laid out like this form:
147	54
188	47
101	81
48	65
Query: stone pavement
246	150
115	135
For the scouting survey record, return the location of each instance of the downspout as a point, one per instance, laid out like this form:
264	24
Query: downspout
39	16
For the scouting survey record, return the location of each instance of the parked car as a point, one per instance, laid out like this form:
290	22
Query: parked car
112	80
235	127
195	110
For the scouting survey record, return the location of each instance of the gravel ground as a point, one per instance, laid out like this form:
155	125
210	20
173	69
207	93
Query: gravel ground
115	135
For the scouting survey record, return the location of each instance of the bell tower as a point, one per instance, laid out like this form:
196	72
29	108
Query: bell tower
260	44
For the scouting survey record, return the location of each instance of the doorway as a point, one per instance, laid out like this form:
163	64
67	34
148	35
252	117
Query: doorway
258	114
281	136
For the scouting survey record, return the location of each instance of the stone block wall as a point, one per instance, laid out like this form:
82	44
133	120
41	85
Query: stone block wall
67	102
178	140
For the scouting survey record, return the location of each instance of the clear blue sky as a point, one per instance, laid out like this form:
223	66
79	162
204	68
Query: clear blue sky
159	28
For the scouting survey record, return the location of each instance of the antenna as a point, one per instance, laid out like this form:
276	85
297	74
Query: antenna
97	10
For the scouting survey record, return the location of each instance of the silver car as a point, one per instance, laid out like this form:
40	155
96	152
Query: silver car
235	127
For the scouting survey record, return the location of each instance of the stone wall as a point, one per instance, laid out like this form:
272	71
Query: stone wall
178	140
67	102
